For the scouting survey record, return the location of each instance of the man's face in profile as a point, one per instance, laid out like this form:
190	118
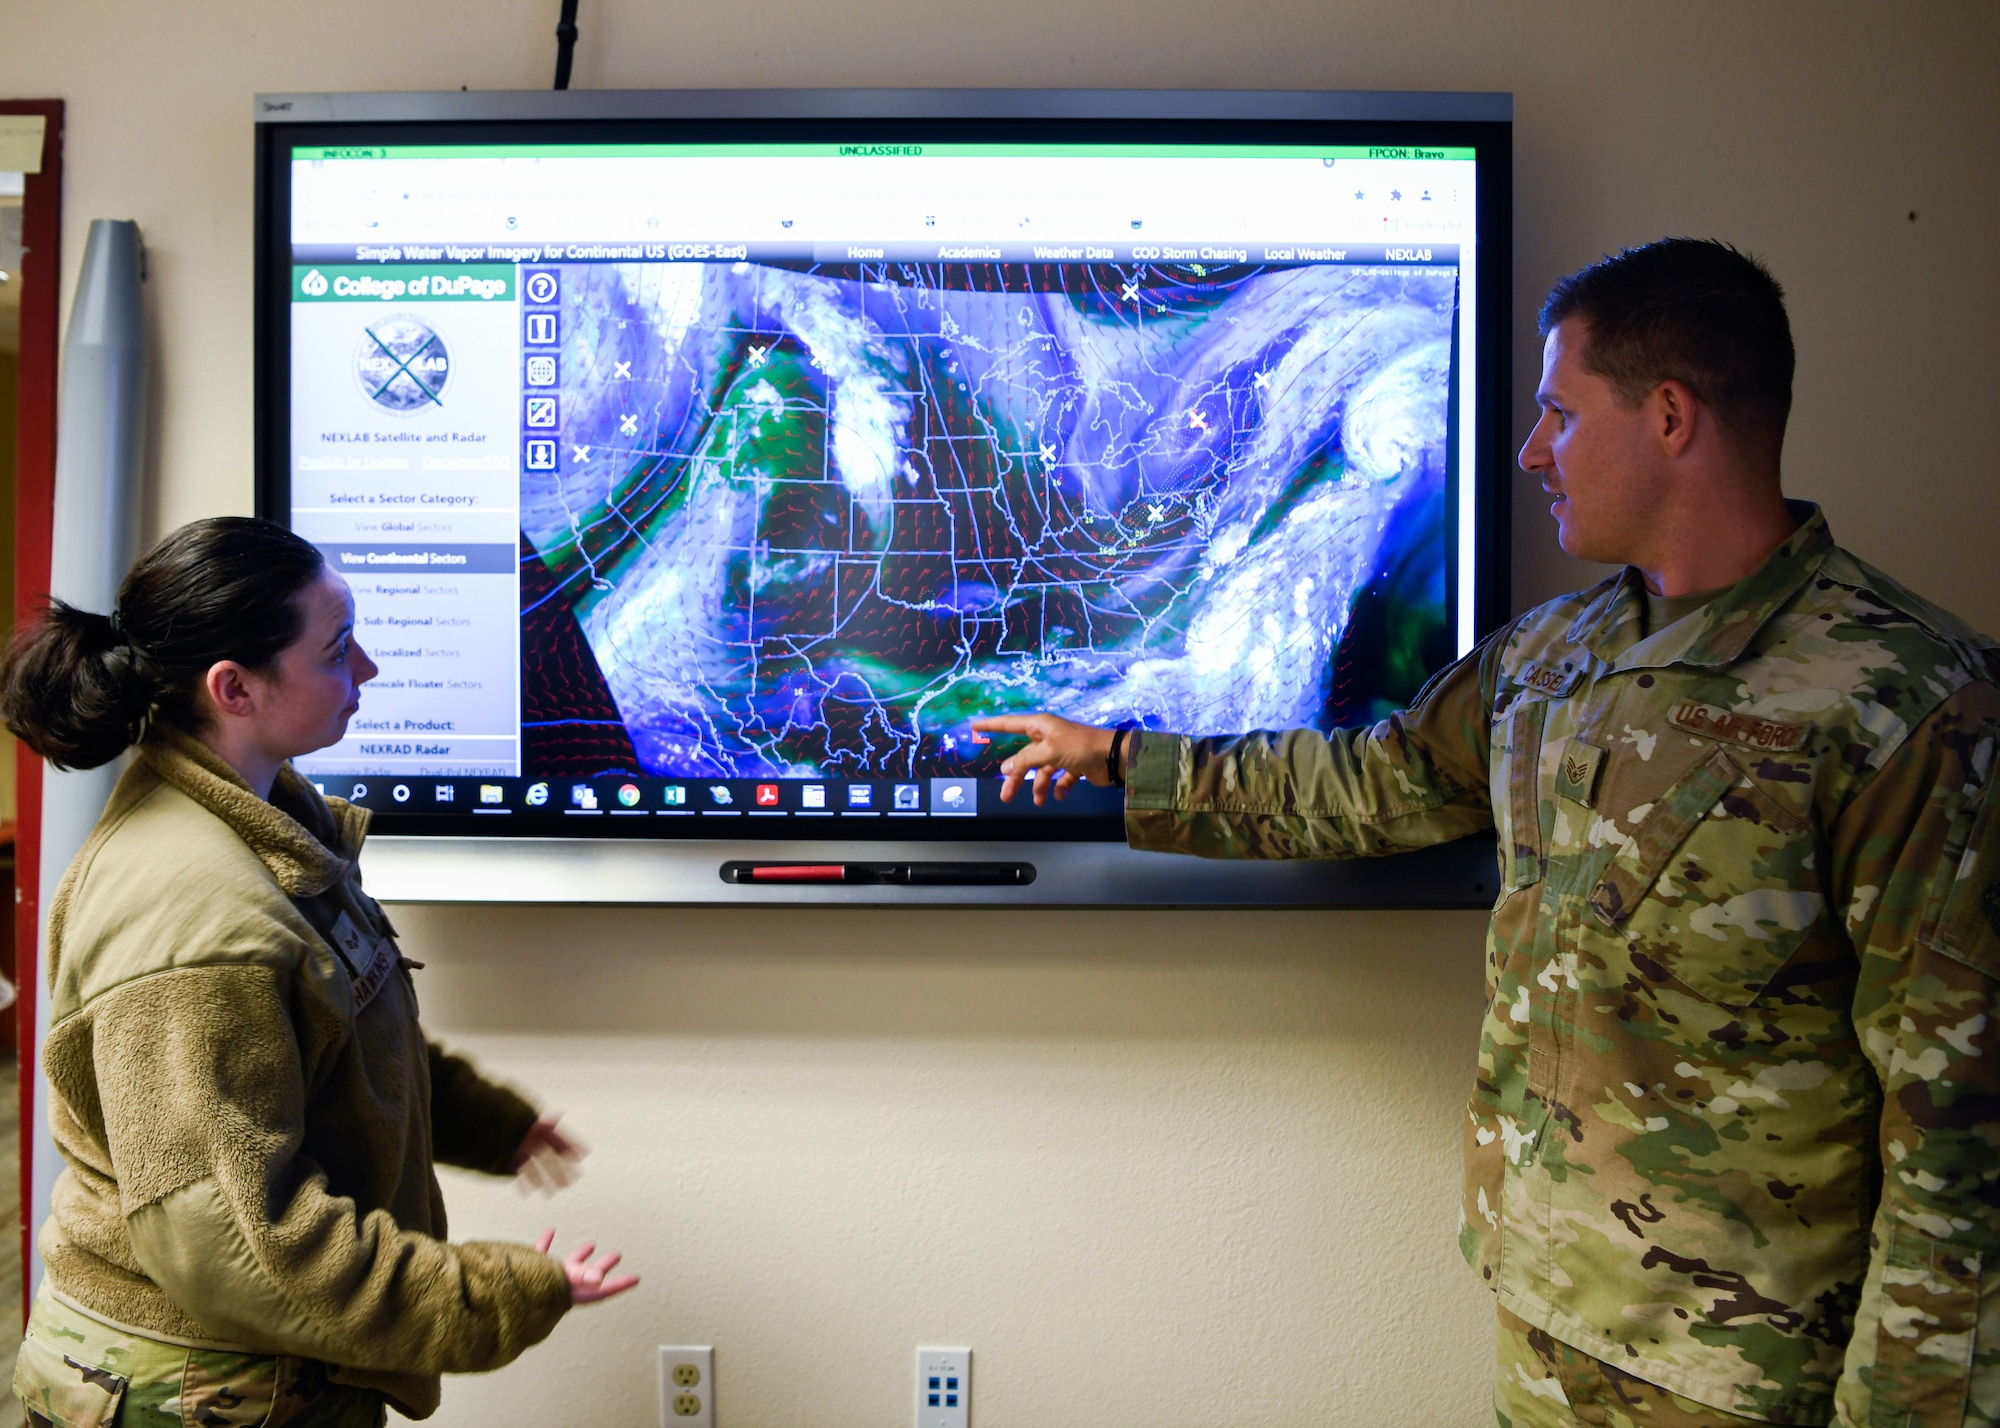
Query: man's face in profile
1591	450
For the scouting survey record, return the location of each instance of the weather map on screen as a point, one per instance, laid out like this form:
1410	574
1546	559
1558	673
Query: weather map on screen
861	510
674	481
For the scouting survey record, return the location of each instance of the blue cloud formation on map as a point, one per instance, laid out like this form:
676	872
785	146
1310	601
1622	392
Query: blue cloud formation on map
810	523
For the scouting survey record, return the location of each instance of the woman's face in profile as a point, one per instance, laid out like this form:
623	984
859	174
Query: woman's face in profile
317	679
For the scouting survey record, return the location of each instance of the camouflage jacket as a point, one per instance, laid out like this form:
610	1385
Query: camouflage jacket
1736	1121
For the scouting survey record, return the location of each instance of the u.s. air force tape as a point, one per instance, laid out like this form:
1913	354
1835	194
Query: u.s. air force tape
1746	729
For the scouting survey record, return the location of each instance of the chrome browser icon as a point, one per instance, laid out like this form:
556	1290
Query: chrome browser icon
402	363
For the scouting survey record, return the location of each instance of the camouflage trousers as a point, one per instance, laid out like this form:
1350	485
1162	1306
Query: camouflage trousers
75	1372
1541	1383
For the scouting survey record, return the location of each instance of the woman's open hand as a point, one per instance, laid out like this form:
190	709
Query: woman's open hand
590	1281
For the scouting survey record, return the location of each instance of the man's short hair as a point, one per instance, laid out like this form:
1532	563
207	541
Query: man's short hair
1690	310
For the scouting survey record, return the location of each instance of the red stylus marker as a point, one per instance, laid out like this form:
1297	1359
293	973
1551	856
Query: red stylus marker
799	873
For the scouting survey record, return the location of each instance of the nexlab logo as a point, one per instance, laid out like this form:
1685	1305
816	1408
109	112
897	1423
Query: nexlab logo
402	363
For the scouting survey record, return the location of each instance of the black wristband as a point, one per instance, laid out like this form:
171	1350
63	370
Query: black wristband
1114	759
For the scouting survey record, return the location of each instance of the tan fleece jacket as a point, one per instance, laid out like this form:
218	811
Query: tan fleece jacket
247	1106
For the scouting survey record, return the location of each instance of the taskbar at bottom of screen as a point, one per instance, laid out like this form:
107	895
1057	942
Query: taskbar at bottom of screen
890	808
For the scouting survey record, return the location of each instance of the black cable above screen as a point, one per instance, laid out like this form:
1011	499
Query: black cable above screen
565	43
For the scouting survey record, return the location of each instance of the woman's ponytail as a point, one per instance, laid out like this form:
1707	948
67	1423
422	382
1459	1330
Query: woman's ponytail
80	688
76	691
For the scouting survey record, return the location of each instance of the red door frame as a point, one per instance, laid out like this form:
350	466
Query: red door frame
34	518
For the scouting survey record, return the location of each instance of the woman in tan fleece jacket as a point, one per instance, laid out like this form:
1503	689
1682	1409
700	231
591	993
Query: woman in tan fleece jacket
247	1229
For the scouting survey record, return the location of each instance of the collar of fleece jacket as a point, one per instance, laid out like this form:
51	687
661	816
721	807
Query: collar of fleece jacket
291	834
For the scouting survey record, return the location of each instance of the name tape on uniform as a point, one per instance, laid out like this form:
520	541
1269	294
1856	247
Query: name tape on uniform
1553	680
1746	729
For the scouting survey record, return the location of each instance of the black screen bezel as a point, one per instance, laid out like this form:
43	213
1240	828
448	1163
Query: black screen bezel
1491	141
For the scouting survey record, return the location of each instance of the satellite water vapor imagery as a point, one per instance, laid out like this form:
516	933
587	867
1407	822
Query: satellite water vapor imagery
811	522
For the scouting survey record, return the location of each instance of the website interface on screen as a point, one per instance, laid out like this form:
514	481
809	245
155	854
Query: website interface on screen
734	481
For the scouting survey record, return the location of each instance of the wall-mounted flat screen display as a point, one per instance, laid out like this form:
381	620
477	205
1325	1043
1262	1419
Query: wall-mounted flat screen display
713	475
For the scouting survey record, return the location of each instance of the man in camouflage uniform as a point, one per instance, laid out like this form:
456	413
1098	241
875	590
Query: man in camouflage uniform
1733	1147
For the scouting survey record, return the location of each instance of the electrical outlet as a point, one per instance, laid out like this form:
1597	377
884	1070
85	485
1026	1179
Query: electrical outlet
944	1388
687	1386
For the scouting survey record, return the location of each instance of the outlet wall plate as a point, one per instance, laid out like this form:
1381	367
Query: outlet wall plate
687	1386
944	1387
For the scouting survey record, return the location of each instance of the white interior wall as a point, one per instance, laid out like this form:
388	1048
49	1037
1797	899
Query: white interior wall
1155	1168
